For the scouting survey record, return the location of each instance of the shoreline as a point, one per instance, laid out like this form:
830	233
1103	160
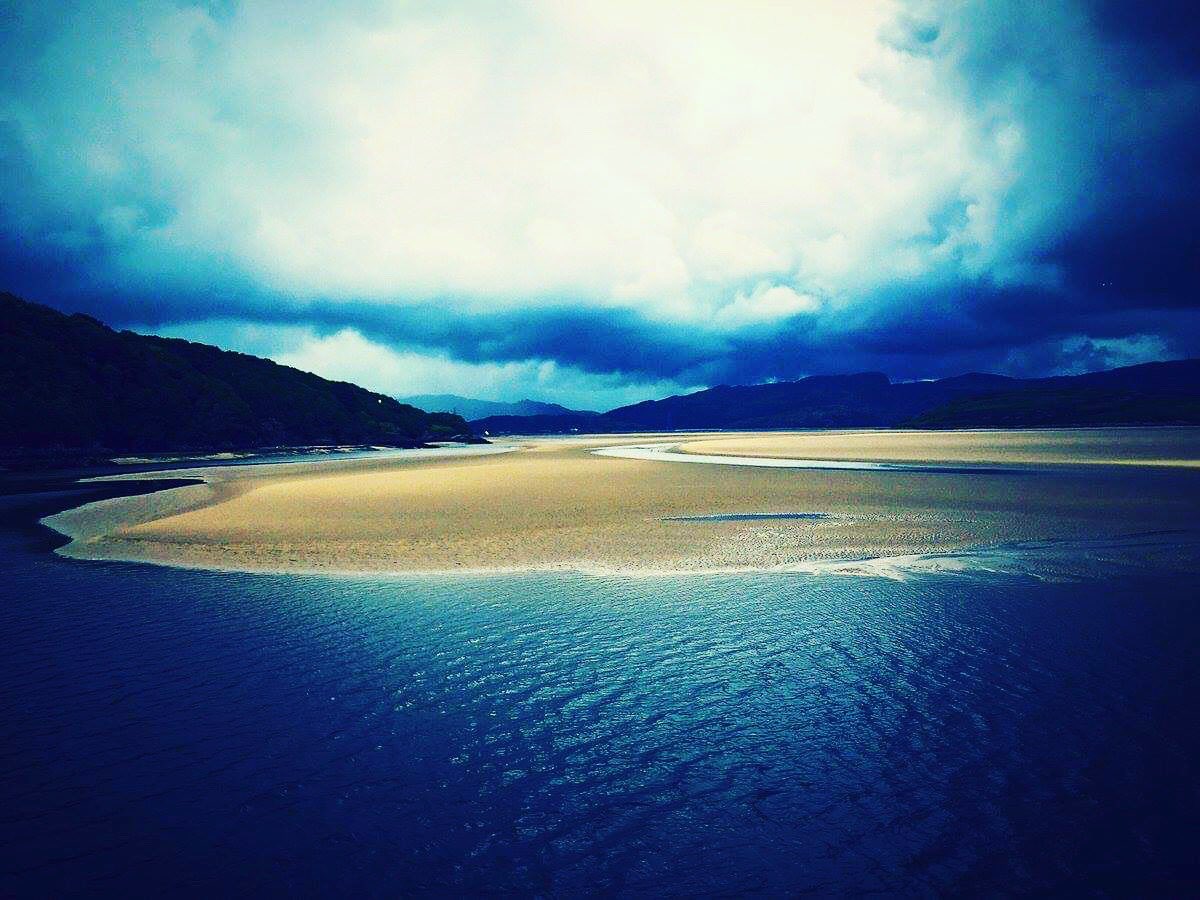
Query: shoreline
675	453
554	505
1022	560
894	567
1156	446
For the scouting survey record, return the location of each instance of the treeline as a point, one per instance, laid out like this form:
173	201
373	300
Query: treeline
73	383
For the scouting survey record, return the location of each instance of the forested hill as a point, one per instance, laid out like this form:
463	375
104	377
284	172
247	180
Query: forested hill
73	383
1166	393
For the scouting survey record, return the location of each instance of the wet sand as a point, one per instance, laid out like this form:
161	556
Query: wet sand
555	505
1049	447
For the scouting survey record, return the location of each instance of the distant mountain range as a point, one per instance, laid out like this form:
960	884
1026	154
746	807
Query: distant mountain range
70	383
73	383
1150	394
470	408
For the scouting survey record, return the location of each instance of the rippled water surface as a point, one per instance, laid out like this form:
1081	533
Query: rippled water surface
216	733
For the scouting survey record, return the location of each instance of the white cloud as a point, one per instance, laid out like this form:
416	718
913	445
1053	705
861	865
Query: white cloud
348	356
657	156
766	303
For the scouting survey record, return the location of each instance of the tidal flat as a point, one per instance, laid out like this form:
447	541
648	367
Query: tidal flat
551	504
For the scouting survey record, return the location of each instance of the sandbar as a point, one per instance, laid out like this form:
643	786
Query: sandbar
1161	446
552	504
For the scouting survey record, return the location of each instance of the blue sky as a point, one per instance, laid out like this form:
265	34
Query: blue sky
596	203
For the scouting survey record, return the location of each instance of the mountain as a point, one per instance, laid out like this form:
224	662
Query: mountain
71	382
1154	393
544	424
470	408
1149	394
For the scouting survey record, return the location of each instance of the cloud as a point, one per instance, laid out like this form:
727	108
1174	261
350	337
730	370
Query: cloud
637	192
766	303
646	157
347	355
1079	353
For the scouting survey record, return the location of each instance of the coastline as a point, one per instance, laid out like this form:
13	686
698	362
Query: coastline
553	505
1161	446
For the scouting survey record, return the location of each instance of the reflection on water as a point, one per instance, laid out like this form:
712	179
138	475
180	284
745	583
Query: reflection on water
173	730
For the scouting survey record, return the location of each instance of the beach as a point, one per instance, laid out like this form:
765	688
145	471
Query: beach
1172	447
553	504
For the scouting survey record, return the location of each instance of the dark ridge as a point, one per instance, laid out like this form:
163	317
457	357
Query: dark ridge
75	388
1150	394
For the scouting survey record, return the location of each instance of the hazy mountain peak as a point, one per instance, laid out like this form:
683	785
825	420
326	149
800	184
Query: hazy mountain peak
473	408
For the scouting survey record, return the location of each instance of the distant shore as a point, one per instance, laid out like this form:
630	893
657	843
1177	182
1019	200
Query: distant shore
552	504
1141	446
65	459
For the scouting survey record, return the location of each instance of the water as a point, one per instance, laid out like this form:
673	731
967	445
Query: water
200	733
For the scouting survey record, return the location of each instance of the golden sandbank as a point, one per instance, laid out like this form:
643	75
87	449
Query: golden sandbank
553	504
1080	446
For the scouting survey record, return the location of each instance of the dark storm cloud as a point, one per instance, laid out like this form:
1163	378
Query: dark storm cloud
1112	106
1165	35
1139	246
1095	250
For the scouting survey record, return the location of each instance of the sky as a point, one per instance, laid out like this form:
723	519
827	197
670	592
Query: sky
598	203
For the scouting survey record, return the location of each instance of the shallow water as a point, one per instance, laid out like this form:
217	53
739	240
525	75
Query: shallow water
285	460
953	731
